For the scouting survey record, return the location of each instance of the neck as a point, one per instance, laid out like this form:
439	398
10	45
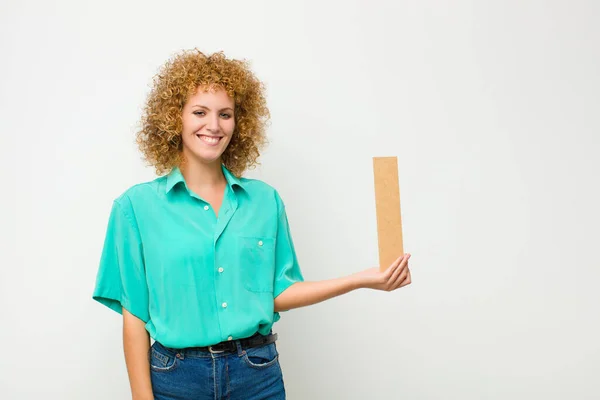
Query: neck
199	175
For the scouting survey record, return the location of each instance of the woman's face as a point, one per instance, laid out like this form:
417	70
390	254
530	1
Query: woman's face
208	124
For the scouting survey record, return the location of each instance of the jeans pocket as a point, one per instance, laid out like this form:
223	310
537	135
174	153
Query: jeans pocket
257	259
161	359
261	357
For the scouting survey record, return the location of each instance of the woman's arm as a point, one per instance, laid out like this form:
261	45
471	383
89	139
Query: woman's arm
136	344
302	294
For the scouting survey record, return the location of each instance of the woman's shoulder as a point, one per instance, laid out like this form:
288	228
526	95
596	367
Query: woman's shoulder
261	190
255	184
141	191
258	186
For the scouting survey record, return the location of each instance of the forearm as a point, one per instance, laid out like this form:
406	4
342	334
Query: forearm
302	294
136	344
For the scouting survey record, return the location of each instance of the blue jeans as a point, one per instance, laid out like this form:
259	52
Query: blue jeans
249	374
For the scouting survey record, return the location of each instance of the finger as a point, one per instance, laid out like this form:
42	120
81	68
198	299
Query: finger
392	278
407	281
406	258
396	283
404	264
392	268
400	264
401	267
401	278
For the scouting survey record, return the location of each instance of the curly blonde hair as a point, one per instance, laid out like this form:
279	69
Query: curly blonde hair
159	137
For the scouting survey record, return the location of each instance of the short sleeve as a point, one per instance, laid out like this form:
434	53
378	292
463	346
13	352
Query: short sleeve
121	278
287	269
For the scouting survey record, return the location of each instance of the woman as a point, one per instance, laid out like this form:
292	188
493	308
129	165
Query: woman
202	259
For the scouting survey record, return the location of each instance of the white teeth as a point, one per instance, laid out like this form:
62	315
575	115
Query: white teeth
209	139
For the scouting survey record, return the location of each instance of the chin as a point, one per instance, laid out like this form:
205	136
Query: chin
206	157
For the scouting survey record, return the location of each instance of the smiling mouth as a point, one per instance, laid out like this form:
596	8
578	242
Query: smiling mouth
210	140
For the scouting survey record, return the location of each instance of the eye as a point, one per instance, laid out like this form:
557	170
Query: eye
225	115
199	113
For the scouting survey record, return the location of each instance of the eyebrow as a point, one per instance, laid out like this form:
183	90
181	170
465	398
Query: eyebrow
222	109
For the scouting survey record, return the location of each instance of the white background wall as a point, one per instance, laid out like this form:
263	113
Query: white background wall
491	107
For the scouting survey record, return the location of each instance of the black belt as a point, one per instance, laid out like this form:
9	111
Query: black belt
253	341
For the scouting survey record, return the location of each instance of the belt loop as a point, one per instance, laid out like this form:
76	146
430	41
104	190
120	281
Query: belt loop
238	346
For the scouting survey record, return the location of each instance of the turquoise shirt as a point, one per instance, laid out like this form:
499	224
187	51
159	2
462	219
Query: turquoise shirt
194	278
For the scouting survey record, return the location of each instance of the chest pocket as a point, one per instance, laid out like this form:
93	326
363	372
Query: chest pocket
257	260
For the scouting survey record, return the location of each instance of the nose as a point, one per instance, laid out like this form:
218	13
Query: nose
212	124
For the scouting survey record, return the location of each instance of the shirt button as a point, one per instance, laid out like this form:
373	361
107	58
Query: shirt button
206	207
230	338
260	242
224	305
220	269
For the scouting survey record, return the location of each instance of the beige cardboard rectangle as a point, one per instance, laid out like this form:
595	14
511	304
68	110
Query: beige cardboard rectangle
387	204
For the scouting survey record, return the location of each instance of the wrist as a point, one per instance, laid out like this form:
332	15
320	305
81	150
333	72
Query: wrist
356	281
145	394
149	396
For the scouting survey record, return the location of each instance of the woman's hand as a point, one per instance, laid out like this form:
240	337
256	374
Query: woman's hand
394	277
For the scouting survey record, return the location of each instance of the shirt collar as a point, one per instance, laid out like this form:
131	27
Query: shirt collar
175	176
